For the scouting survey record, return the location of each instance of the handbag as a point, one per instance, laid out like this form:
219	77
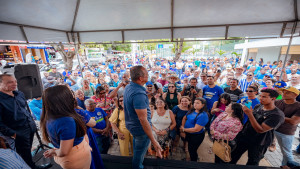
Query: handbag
222	150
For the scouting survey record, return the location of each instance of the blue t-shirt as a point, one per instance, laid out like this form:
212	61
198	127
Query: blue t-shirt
99	116
260	76
36	108
191	121
211	95
63	128
179	115
254	103
81	102
85	116
135	98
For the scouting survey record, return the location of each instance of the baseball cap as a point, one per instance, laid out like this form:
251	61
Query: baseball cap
149	83
270	75
280	84
291	89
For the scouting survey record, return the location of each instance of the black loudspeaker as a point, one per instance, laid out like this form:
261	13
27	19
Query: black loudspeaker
28	78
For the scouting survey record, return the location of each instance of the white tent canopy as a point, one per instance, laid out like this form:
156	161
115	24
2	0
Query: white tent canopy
124	20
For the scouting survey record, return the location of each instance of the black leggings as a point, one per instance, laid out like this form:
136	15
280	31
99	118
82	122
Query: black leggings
194	141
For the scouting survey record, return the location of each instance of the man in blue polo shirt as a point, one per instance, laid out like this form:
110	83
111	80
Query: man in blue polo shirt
138	116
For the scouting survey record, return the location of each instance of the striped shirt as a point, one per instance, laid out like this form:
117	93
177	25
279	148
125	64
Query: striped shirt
244	84
11	159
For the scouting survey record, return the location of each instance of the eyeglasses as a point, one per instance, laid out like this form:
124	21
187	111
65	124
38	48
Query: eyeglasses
91	104
250	91
159	102
171	86
249	75
102	93
149	86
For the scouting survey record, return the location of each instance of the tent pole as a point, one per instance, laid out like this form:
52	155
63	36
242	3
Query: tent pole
288	49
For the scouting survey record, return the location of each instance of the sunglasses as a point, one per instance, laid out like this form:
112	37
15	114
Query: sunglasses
120	100
102	93
249	75
171	86
149	86
250	91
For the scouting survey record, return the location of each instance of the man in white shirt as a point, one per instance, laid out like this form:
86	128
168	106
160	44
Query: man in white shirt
179	66
295	81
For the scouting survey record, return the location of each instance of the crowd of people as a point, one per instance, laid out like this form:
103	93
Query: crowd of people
152	105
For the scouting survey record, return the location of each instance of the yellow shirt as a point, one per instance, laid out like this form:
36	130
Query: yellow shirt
114	118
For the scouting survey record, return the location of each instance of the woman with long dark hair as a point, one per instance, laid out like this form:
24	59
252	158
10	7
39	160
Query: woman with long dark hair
172	97
179	112
117	121
64	128
193	124
220	105
227	125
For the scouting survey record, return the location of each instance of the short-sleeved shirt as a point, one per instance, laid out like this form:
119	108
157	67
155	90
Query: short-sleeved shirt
179	115
118	116
234	94
289	111
63	128
273	118
254	103
211	95
85	116
99	116
135	98
192	119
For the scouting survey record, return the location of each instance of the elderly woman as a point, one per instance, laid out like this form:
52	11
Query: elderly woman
102	100
163	121
101	130
227	125
117	120
80	98
87	89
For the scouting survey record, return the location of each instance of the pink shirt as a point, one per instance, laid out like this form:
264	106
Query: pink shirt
226	128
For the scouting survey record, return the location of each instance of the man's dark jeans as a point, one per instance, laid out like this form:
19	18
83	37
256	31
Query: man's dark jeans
255	152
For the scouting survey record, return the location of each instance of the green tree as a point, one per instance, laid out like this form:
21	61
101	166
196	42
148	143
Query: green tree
221	52
236	54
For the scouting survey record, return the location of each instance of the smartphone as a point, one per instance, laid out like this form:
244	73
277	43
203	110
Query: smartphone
248	103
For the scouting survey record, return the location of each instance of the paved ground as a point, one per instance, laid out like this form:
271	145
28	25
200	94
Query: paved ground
271	158
204	153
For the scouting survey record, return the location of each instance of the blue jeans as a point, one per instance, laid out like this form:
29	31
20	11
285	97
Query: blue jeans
140	147
285	142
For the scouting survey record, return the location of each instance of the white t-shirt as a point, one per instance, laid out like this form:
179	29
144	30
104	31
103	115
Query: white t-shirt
179	65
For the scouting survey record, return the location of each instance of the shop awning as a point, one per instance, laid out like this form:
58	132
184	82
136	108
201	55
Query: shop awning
124	20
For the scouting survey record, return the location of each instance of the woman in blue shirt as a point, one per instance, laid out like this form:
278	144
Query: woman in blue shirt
251	92
179	112
64	128
192	127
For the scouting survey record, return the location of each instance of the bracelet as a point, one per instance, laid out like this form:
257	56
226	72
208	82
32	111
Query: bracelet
183	130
